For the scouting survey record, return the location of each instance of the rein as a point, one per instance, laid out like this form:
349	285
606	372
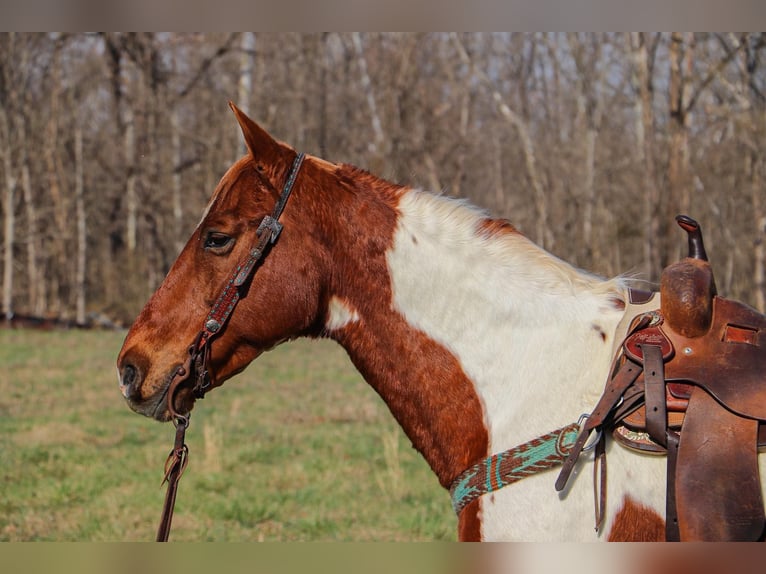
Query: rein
196	368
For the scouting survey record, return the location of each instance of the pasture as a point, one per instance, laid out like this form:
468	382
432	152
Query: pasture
296	448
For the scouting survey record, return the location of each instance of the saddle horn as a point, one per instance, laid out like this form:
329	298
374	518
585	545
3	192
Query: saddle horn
687	287
696	245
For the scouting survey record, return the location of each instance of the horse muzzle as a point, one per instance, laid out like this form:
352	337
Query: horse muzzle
147	398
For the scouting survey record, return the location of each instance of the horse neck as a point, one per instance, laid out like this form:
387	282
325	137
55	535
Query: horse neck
465	328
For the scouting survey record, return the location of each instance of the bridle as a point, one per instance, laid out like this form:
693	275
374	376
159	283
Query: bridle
196	368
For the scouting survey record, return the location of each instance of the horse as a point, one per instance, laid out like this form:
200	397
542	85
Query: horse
477	339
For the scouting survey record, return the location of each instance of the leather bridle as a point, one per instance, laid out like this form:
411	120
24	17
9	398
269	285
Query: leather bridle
196	368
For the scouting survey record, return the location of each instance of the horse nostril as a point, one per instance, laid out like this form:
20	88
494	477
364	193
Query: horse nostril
130	381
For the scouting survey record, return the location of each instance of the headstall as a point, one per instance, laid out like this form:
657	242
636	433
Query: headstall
196	368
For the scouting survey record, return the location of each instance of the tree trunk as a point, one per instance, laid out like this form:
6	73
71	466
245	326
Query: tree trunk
245	81
82	231
323	112
590	74
759	219
678	198
465	97
159	245
176	191
9	208
376	144
36	302
57	256
755	167
131	198
643	86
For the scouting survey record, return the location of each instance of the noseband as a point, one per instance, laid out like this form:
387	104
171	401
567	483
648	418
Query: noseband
196	368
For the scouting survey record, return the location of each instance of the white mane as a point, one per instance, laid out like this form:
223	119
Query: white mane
457	222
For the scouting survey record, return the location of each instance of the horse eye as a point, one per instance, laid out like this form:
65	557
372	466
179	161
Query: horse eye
217	241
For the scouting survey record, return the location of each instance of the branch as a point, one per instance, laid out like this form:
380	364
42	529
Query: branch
711	75
206	63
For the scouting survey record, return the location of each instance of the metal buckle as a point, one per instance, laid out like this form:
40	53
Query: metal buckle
588	447
268	222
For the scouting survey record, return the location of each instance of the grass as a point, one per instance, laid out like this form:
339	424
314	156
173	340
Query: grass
296	448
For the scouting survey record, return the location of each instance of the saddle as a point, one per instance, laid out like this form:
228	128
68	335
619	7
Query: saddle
690	383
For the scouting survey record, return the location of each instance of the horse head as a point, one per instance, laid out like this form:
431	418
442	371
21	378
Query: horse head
272	305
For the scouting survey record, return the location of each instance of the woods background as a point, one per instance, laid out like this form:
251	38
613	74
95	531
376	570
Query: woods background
111	144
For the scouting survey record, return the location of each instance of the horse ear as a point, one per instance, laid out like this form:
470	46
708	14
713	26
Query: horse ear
270	155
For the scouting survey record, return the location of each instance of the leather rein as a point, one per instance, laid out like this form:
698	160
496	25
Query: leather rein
196	368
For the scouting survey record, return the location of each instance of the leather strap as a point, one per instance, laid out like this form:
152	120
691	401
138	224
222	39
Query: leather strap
672	532
625	377
175	465
599	480
654	384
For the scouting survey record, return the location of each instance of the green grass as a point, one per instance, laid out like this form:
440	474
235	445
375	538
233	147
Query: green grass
296	448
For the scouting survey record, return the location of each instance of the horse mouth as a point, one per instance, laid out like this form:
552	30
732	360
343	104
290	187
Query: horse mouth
183	402
161	411
156	405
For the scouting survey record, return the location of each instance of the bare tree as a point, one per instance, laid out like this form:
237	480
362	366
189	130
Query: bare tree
245	85
679	96
54	179
543	234
379	138
753	98
9	207
17	114
643	49
591	72
685	89
7	102
82	230
124	116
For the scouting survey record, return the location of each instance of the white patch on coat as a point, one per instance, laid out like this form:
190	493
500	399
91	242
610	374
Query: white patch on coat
339	314
520	322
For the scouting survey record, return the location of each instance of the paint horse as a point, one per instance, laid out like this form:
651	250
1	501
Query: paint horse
477	339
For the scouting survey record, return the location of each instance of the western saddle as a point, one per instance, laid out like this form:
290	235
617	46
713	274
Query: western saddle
689	383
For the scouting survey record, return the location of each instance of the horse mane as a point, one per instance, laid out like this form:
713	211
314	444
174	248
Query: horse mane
465	223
